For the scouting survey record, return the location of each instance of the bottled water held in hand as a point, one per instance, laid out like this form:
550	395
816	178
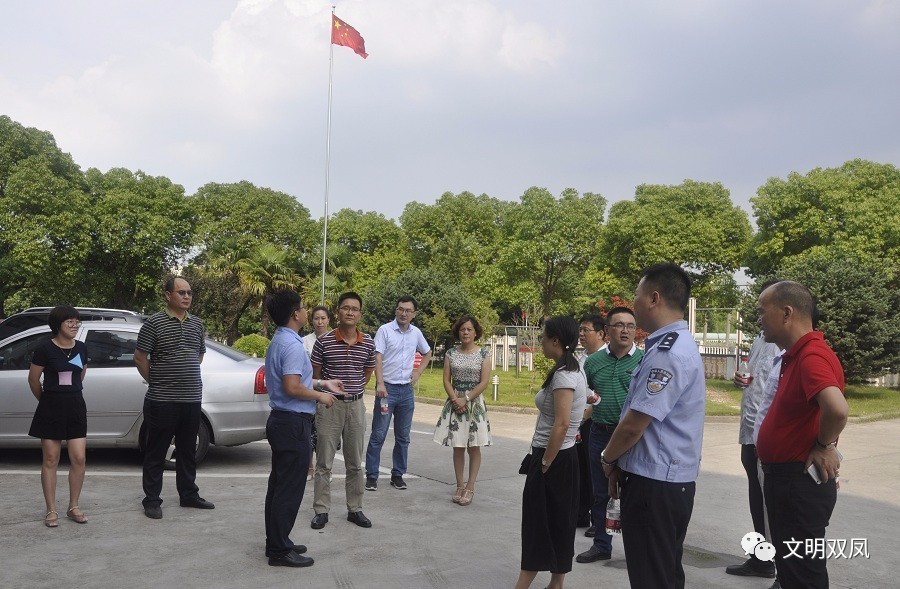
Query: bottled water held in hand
613	517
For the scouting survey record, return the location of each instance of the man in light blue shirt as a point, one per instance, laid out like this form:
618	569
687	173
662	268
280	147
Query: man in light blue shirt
653	457
396	344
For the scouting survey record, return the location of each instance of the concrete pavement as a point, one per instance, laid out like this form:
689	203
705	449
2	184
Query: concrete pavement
419	539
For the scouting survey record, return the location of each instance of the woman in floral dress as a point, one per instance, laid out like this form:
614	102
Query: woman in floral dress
463	422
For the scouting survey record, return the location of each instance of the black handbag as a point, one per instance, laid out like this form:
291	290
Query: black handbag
526	463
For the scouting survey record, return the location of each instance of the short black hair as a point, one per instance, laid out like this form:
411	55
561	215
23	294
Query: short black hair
671	281
349	295
594	319
60	314
459	323
409	299
616	310
281	304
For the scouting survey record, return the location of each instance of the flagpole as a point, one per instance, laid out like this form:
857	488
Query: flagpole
327	153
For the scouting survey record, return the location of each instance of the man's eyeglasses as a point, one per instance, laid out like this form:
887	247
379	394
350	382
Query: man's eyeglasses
347	309
185	293
624	326
586	330
402	310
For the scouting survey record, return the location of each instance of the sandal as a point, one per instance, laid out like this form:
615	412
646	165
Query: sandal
51	522
458	494
466	498
78	518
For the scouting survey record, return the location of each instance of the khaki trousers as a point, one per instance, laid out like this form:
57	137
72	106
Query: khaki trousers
344	421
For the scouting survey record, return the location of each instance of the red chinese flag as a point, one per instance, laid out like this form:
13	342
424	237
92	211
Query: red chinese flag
344	34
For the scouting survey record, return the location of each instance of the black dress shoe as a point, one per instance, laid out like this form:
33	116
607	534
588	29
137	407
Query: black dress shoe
153	511
752	567
319	521
299	548
590	532
291	559
592	554
198	502
359	519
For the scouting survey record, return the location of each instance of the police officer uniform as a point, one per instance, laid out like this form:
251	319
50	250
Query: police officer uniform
659	471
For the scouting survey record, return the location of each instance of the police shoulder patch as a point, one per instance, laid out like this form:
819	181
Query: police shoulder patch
657	380
668	341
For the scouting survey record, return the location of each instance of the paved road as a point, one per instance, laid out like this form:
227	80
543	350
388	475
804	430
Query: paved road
419	539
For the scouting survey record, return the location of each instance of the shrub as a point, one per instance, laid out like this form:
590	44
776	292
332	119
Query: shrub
253	344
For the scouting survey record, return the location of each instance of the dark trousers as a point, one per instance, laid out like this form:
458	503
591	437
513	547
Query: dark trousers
799	510
165	420
289	436
585	490
599	439
757	511
655	518
549	507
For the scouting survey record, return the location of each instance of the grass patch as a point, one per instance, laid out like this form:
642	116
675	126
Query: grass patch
867	403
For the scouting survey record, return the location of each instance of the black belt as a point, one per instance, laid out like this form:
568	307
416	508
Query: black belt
783	467
348	398
608	427
306	416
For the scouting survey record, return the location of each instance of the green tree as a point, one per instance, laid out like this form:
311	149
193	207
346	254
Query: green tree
143	228
437	296
45	219
376	245
692	223
856	205
545	251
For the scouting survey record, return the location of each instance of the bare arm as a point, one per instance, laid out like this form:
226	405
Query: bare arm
627	434
294	387
142	362
34	380
832	419
380	389
416	373
562	406
448	381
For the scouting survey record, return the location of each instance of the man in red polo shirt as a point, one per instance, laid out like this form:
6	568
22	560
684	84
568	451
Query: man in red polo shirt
800	430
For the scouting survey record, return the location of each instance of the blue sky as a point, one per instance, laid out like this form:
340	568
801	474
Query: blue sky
478	95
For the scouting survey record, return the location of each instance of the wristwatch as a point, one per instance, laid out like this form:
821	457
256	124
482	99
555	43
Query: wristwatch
604	462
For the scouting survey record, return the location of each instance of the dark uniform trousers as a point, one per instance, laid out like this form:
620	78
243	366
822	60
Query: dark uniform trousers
585	486
757	510
799	510
655	516
289	436
164	421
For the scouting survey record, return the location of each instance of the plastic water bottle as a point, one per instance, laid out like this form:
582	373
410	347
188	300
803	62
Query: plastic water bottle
744	371
613	517
384	406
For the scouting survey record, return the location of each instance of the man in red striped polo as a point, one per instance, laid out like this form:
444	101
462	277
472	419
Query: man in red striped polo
346	354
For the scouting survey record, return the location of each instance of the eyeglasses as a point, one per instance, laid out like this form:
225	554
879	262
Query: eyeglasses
624	326
347	309
72	322
402	310
586	330
185	293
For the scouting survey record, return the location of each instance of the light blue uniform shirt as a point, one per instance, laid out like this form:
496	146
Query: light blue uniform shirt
760	365
398	350
286	355
669	385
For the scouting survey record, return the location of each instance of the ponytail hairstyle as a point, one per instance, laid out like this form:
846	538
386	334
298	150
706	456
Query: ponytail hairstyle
565	329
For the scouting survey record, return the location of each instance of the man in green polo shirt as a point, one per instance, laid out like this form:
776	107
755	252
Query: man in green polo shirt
608	374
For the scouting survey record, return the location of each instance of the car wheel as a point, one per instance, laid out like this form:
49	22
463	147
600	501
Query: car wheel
200	451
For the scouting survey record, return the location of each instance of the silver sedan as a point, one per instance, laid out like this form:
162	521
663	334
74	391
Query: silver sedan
235	400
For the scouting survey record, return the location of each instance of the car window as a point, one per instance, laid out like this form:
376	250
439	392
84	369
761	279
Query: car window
16	355
227	351
19	323
110	348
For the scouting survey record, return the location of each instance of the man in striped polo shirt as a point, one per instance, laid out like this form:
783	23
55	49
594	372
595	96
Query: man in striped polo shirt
169	350
347	354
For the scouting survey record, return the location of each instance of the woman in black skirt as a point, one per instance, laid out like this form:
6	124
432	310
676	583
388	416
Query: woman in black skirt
61	413
550	497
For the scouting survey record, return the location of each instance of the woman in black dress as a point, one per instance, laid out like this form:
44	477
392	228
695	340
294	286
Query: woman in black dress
61	413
